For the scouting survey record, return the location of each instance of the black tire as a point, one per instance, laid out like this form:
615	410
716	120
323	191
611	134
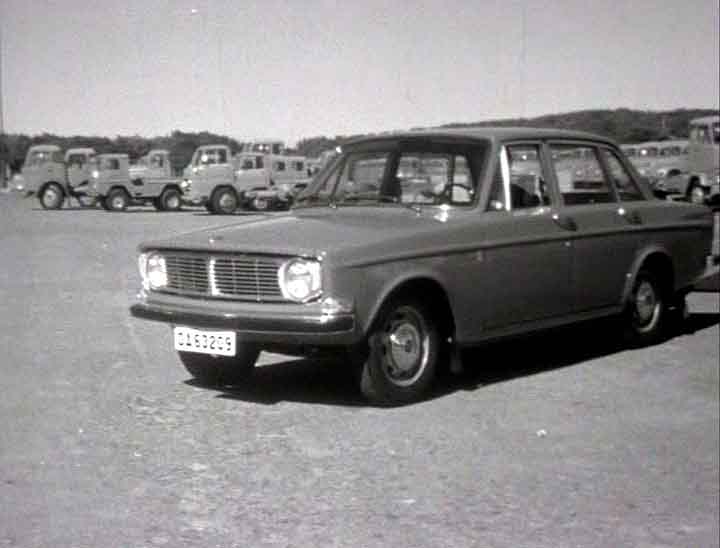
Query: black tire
209	207
224	201
221	370
117	200
52	196
171	199
695	194
646	313
157	204
403	354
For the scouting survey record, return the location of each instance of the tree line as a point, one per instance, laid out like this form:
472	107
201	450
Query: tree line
622	125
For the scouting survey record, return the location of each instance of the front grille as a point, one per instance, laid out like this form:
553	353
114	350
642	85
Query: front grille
242	277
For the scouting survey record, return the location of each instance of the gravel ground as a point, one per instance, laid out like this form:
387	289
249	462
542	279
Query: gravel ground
563	440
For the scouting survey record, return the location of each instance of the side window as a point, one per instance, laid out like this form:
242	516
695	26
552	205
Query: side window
579	175
624	184
528	187
248	164
279	166
362	176
221	155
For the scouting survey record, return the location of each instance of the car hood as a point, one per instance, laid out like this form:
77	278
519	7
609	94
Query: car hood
312	231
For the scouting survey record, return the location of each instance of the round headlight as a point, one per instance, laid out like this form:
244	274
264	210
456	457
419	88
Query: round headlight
95	174
156	271
300	280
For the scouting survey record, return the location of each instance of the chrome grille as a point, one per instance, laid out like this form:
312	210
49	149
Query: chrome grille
242	277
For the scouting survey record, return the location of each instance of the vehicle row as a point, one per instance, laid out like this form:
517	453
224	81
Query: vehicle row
261	176
687	169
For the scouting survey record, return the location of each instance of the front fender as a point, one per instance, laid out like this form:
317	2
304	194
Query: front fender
638	263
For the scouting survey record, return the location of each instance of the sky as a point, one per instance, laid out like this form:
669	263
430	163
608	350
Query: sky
303	68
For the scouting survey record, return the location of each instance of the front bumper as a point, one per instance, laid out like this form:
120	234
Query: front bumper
261	323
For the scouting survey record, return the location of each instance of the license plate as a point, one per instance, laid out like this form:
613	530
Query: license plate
219	343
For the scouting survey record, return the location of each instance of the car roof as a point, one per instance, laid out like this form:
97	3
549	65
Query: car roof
485	133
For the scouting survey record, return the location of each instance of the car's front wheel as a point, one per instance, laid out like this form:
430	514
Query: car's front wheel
646	310
402	358
221	370
52	197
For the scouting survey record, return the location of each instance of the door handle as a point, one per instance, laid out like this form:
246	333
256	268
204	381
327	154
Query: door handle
632	217
564	222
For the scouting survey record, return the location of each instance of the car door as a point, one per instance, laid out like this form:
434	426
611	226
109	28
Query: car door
603	246
525	271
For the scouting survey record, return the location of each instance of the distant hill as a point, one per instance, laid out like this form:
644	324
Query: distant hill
623	125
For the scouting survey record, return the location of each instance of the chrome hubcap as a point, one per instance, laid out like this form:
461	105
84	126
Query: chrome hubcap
118	202
50	196
697	195
645	302
405	349
227	202
173	202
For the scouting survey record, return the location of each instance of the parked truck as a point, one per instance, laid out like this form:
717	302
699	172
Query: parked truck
54	177
117	185
223	183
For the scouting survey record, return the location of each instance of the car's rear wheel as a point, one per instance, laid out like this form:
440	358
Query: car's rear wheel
221	370
402	358
171	199
117	200
52	197
646	310
224	201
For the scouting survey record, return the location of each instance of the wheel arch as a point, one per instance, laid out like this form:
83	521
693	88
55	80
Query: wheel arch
422	287
46	184
657	260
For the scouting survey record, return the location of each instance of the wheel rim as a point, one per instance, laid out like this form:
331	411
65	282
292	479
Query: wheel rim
117	202
697	196
260	204
646	304
405	347
172	202
50	197
227	202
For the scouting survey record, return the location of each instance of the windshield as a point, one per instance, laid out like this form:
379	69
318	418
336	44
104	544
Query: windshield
421	177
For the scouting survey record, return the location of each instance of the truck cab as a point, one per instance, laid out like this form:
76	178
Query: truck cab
154	165
275	182
210	180
53	176
703	183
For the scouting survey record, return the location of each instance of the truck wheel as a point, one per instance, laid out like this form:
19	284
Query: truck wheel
170	199
157	204
102	200
117	200
404	347
52	197
221	370
645	313
696	194
260	204
224	201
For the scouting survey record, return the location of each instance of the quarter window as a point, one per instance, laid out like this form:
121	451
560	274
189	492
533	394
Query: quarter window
579	175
